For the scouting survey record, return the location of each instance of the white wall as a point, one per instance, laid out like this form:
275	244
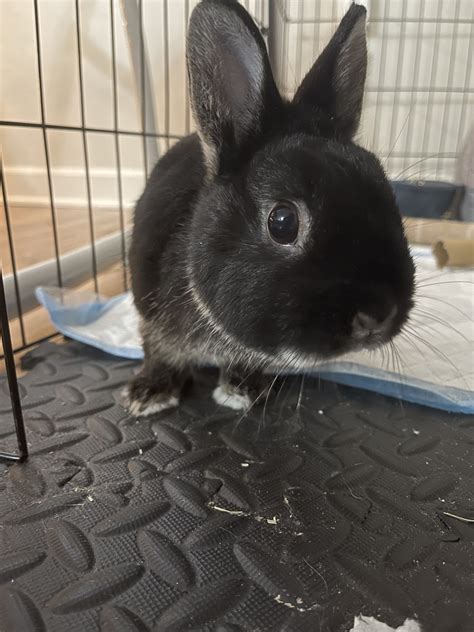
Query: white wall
428	122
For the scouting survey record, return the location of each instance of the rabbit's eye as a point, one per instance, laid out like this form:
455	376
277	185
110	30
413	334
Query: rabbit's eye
283	224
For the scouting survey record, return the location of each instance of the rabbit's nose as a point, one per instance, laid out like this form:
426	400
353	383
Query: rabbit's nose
367	326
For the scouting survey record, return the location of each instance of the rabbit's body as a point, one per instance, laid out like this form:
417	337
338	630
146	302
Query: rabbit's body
158	250
270	240
174	321
175	327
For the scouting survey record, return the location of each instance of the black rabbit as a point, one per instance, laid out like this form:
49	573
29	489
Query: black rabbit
269	239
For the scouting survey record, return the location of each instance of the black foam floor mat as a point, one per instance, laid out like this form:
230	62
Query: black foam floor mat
291	518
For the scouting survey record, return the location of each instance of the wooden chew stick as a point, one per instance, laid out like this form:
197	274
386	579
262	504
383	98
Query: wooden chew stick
454	252
452	242
429	231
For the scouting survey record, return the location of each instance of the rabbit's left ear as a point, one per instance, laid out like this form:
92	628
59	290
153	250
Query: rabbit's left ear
335	83
233	93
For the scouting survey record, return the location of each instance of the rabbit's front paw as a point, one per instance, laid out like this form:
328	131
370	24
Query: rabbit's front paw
232	397
143	397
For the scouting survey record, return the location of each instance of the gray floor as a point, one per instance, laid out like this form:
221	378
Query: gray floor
199	519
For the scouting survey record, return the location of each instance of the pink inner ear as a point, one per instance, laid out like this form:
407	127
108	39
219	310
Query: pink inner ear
241	74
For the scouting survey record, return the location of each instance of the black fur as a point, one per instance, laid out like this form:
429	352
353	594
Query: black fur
207	279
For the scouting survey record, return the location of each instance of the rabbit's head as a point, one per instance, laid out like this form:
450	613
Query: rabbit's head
296	247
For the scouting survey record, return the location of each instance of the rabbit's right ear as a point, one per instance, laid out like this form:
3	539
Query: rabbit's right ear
335	83
233	93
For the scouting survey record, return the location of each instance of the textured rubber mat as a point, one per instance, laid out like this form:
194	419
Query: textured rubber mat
294	518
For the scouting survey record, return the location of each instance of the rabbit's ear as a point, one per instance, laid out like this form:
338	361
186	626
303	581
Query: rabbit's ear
335	83
233	93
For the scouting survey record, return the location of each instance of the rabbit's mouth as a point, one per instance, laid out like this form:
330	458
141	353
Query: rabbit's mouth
300	360
371	343
370	332
365	331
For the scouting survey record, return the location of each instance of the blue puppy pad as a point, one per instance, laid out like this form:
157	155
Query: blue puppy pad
112	325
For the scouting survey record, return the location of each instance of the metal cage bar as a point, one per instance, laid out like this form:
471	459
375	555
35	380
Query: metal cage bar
118	161
85	147
46	144
12	383
11	244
